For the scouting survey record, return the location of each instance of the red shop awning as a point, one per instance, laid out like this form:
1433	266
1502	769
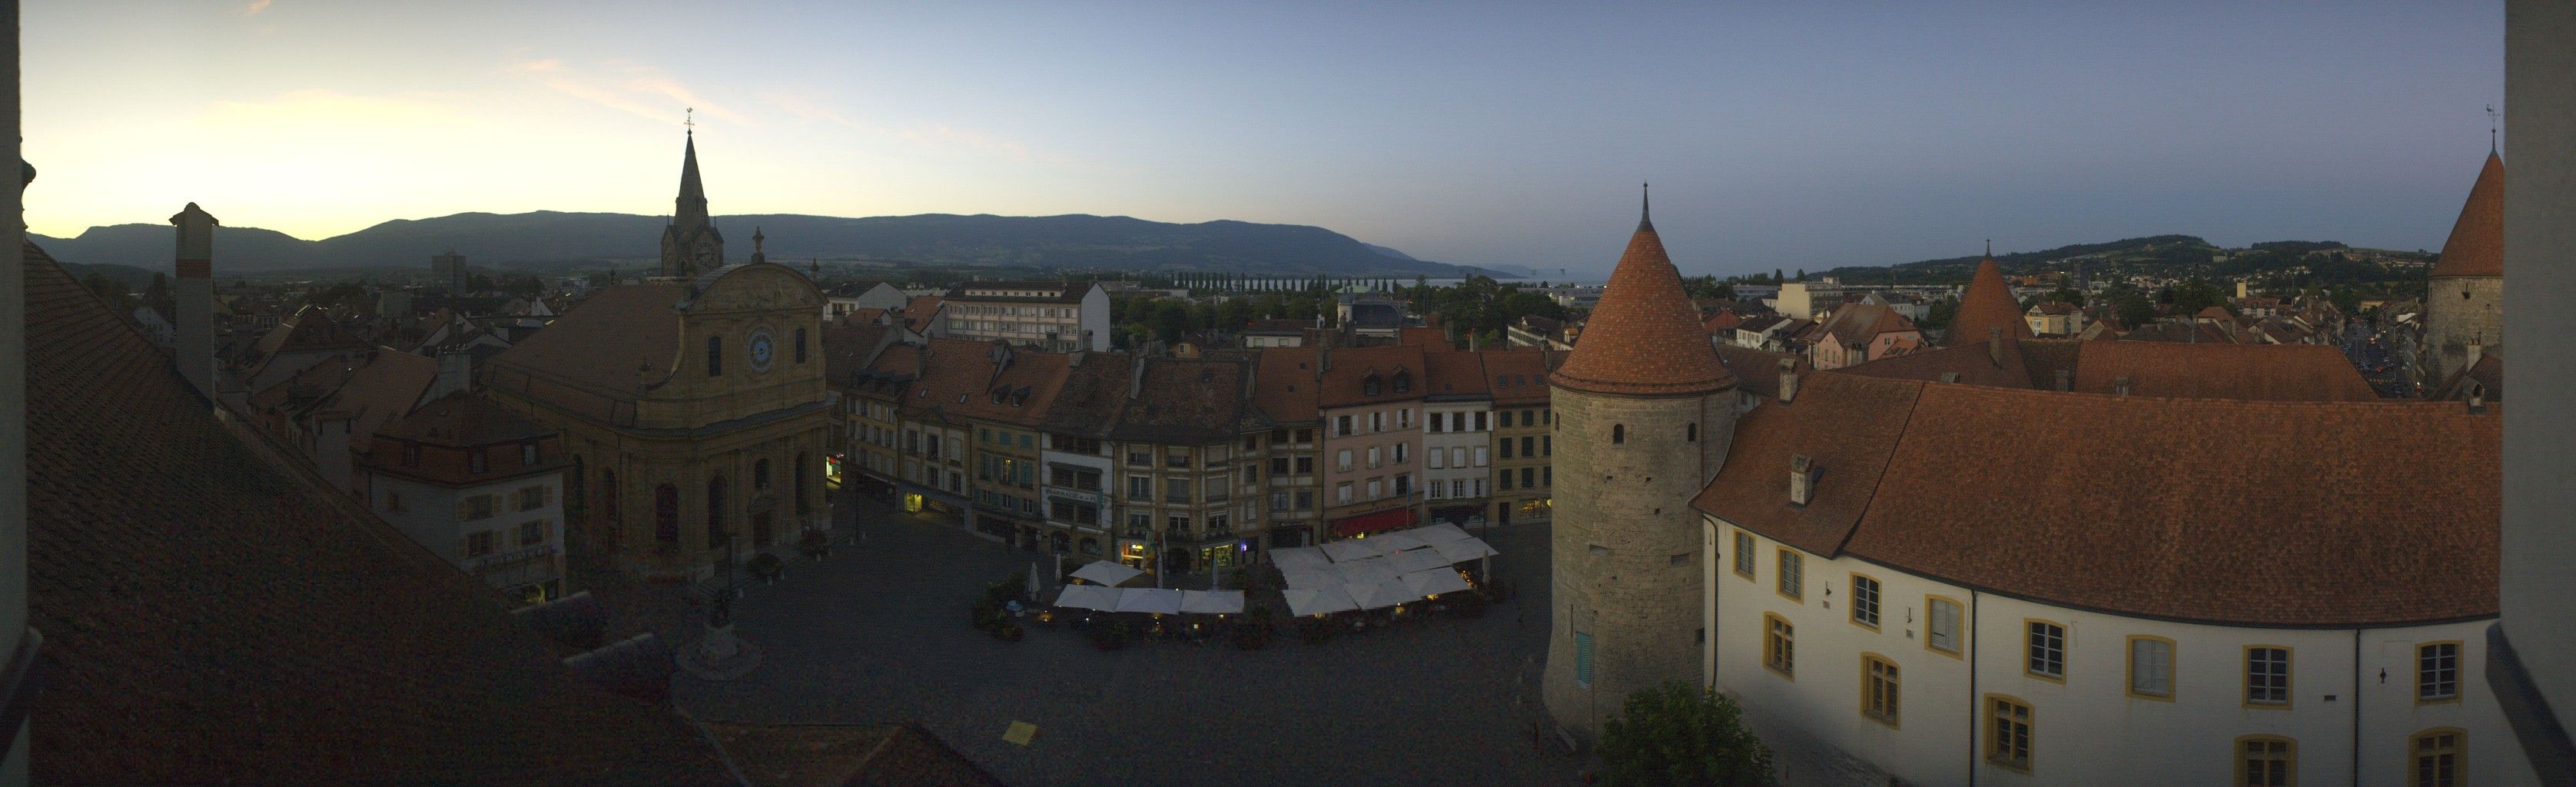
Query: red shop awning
1371	523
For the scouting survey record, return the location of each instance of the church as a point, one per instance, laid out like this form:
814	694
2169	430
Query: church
691	404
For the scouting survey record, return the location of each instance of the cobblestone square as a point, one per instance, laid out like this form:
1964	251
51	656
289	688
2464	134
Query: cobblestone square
879	632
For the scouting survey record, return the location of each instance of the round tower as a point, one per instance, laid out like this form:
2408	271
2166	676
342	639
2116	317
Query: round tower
1644	412
2464	302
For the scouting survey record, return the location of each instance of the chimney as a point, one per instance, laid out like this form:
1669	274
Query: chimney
1073	360
2477	399
2121	386
1802	479
195	298
1788	380
1995	345
1136	378
2476	351
1949	377
1323	362
2065	380
455	373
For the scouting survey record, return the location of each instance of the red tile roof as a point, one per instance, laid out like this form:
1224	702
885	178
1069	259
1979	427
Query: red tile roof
1519	375
1455	375
2131	505
210	618
1347	371
1644	338
2476	247
1758	371
2209	370
1988	303
1426	337
614	346
919	312
1284	386
1723	323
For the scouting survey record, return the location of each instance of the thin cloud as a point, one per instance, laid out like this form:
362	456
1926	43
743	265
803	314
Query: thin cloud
256	6
626	86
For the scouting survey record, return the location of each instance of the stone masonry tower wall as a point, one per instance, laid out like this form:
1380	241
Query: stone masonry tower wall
1644	414
2464	301
1627	545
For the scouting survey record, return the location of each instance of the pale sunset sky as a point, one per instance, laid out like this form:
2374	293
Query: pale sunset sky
1790	136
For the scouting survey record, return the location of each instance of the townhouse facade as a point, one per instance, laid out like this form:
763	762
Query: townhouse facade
1370	402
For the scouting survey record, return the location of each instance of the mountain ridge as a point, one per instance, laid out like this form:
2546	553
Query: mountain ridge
555	238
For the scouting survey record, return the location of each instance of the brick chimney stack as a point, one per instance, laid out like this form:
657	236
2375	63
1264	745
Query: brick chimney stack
195	298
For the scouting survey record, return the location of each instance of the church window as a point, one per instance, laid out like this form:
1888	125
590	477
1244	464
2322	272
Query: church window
666	514
760	474
715	356
715	512
800	345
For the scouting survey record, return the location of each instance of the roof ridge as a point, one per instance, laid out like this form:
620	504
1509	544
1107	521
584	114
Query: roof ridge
1861	517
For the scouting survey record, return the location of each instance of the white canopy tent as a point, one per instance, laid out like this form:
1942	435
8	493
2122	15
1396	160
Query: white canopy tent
1435	581
1347	551
1366	572
1387	592
1397	541
1317	601
1438	533
1412	560
1298	557
1461	551
1088	597
1159	600
1212	602
1105	573
1313	577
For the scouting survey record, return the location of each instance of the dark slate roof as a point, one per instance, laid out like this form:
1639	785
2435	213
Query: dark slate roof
211	618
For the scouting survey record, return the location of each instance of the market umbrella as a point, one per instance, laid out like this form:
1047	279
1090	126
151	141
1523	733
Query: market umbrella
1317	601
1398	541
1160	600
1088	597
1463	551
1387	592
1438	533
1346	551
1213	602
1105	573
1435	581
1311	577
1363	573
1412	560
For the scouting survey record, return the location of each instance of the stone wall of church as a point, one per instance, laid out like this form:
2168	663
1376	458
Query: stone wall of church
2459	311
1627	550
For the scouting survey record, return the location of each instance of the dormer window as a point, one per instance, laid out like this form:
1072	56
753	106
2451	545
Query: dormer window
1403	383
1369	387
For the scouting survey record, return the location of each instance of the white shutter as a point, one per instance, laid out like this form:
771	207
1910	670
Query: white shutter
1434	458
1480	456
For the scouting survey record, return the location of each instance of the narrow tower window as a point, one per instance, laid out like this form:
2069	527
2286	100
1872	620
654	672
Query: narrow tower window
715	356
1618	434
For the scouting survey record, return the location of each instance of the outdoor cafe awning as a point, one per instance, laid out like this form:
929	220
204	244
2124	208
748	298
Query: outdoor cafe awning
1158	600
1088	597
1105	573
1370	523
1317	601
1214	602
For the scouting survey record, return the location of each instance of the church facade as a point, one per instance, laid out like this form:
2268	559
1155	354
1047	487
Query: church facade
692	405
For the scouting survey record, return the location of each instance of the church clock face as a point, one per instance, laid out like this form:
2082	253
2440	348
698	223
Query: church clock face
761	349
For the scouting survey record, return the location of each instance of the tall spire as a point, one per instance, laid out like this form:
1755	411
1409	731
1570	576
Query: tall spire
691	245
691	211
1988	303
1646	207
2476	245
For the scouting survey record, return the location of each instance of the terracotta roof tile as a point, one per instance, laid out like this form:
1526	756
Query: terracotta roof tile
1348	369
1988	303
2133	504
2476	246
1644	338
1758	371
1285	387
614	346
1187	400
1518	376
1456	375
209	618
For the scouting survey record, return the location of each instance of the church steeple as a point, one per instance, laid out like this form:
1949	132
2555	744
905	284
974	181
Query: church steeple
691	245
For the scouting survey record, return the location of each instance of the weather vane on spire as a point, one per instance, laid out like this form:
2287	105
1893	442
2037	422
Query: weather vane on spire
689	117
2491	129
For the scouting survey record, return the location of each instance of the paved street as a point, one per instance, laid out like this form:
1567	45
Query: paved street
879	632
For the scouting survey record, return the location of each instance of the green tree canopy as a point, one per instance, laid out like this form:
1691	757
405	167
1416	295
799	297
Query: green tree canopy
1681	734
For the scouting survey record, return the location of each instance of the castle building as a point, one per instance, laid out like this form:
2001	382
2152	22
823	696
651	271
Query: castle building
2464	304
692	405
1987	308
1644	412
2112	589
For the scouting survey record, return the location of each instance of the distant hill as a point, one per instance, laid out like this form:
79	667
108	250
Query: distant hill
1077	242
2174	256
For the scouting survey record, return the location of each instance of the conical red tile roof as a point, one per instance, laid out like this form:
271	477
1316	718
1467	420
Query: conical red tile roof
2476	247
1644	339
1987	304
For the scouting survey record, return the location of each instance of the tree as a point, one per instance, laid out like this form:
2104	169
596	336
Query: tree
2192	296
1681	734
105	287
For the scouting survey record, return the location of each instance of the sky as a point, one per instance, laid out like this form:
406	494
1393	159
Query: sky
1790	136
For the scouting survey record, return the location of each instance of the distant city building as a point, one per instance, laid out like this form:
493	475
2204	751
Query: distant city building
1049	316
448	270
